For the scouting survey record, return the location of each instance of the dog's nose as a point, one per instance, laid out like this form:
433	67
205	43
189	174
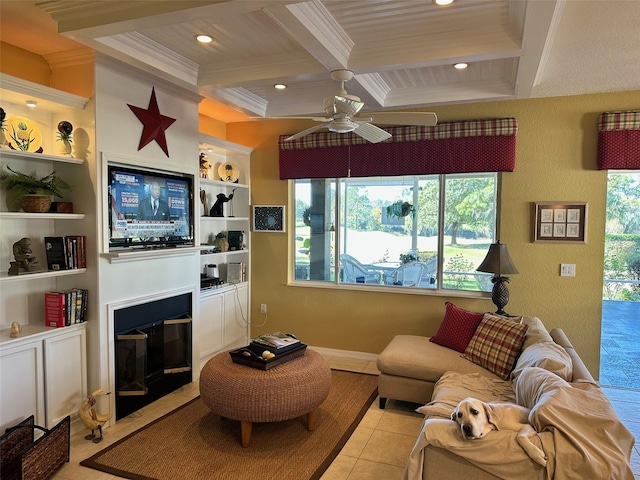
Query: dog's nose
467	428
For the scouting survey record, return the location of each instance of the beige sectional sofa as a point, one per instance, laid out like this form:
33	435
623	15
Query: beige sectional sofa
549	378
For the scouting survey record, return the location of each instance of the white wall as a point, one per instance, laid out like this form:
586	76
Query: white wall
118	133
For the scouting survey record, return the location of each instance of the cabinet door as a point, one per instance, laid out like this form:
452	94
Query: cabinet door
65	374
21	384
236	317
210	325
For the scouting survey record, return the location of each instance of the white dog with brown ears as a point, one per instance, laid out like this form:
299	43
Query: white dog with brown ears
477	418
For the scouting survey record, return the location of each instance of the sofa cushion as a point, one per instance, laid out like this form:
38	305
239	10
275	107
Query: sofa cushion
414	356
457	327
547	355
454	386
536	332
496	344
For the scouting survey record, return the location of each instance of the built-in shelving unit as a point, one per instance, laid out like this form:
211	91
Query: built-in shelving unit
224	310
49	364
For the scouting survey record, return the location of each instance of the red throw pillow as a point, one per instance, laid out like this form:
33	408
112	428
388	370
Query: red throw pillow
457	327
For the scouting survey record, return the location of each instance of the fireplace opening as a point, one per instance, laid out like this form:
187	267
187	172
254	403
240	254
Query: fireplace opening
153	351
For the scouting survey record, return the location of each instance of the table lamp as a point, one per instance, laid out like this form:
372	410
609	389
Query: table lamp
498	262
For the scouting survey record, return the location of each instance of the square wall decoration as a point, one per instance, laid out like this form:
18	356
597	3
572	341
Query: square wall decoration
268	218
560	222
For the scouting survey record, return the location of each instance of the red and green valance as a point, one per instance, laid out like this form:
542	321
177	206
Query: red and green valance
619	140
449	147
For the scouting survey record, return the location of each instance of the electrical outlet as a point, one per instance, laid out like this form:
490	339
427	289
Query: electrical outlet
567	269
263	308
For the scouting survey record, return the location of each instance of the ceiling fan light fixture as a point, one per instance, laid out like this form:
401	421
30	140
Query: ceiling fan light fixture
203	38
279	86
342	125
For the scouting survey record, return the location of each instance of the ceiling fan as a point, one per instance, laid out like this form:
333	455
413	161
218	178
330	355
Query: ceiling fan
342	109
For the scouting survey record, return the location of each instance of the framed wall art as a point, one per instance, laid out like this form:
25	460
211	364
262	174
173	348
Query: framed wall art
560	222
268	218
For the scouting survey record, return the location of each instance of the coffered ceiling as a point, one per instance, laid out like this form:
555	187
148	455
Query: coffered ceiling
402	51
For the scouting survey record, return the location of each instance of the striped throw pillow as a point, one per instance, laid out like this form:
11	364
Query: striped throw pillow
496	344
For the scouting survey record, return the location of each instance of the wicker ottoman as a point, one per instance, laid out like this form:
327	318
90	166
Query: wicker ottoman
289	390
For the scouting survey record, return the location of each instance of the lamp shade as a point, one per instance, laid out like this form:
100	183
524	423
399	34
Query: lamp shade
497	261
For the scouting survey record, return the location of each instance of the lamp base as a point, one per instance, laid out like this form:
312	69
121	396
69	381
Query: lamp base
500	294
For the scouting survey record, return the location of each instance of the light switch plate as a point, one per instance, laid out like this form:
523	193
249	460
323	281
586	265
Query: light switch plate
567	269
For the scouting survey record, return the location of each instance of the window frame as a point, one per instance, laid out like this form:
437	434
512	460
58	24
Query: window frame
336	284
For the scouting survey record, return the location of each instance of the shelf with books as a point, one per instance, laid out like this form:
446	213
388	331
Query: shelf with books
6	278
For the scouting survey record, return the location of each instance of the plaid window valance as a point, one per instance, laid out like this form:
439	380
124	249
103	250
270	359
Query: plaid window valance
619	140
449	147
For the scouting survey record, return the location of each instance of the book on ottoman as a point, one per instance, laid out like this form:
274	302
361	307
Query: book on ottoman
276	343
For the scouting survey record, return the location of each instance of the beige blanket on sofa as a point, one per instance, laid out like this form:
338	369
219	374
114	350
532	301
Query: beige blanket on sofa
579	432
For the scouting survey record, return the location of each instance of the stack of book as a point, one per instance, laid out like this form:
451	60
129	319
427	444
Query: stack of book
65	308
66	253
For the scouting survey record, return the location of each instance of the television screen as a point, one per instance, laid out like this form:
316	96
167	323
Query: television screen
149	208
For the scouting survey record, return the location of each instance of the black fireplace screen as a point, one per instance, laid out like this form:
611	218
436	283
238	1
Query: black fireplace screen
153	358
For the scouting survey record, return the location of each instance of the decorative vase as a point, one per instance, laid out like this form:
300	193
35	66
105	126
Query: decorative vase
35	203
65	148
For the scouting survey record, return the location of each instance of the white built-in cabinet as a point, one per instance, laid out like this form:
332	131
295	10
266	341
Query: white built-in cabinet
224	311
43	371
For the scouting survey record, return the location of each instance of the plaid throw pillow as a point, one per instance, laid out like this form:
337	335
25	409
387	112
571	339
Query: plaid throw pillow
496	345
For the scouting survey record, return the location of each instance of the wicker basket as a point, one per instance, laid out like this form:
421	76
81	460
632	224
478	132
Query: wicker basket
35	203
22	458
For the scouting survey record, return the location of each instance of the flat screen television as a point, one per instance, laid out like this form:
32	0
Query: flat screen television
149	208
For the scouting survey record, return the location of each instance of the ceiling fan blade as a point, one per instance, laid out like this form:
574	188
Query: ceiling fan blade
371	133
315	119
424	119
305	132
347	106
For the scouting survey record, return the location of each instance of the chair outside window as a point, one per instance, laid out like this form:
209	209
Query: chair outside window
407	275
355	272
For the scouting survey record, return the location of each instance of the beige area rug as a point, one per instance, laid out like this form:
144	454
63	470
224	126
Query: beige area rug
193	443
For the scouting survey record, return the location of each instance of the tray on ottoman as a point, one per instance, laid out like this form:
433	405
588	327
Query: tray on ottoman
250	357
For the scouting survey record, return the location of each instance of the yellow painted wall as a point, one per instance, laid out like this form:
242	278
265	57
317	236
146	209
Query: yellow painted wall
556	160
24	64
211	126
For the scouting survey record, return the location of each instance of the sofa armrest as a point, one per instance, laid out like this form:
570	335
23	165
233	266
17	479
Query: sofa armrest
580	371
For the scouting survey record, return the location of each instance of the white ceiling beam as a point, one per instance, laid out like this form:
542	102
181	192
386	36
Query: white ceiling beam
311	25
540	25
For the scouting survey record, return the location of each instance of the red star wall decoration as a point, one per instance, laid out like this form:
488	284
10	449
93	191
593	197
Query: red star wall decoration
154	123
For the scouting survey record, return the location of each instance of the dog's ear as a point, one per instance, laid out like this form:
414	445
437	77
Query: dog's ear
454	414
492	416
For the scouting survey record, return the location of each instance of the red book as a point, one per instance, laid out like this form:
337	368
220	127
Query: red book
55	309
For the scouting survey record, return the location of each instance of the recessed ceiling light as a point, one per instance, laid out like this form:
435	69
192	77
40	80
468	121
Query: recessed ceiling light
443	2
279	86
204	38
31	103
460	66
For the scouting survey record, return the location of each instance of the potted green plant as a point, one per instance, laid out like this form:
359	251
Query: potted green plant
31	193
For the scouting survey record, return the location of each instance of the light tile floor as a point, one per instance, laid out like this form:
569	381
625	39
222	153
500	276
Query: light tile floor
377	450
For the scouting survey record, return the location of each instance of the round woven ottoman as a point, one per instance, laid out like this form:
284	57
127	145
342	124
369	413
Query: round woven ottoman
286	391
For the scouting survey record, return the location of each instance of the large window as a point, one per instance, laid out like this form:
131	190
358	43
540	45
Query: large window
420	232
